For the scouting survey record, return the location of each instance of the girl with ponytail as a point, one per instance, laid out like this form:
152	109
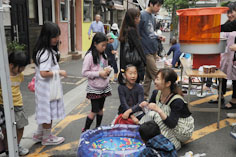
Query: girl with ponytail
169	110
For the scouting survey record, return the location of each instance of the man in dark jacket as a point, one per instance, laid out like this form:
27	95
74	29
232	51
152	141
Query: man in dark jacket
156	144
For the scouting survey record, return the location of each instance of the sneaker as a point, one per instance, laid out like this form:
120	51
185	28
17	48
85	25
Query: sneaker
53	140
115	80
231	115
233	132
37	138
201	95
23	151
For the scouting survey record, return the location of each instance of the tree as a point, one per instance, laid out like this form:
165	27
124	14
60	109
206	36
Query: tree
172	6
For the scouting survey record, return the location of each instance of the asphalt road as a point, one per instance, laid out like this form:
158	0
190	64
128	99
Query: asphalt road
206	138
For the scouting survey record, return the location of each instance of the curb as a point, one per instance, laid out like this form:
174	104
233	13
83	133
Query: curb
72	99
30	68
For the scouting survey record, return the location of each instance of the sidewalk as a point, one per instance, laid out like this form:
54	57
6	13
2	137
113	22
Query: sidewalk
74	93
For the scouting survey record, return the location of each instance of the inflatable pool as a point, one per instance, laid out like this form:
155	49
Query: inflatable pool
113	141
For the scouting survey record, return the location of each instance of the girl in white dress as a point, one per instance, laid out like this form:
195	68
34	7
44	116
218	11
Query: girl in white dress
46	57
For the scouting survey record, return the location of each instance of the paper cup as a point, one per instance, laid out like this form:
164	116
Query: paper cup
213	68
206	69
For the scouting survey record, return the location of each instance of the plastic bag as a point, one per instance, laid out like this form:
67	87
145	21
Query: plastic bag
120	120
55	86
31	85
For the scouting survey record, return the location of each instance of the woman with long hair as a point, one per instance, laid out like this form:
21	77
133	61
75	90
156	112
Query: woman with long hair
168	109
129	33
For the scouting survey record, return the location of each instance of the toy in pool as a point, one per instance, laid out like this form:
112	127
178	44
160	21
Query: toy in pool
111	141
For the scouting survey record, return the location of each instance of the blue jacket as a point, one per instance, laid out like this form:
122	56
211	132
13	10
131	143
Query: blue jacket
159	146
176	50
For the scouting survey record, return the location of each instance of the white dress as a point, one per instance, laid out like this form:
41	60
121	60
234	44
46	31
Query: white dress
46	110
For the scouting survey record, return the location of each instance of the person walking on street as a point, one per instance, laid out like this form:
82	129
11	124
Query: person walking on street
111	55
96	69
96	26
48	108
115	30
129	34
149	42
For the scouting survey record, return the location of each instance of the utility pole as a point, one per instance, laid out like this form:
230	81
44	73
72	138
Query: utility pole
6	92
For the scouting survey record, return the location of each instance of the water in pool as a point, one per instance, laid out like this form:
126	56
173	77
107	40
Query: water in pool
117	143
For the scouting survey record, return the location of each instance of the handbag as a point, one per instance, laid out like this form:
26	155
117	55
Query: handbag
31	85
120	120
55	86
131	55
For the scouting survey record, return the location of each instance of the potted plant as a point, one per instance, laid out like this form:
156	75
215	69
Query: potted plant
15	46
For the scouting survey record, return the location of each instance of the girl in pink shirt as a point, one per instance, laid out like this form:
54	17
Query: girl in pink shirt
96	69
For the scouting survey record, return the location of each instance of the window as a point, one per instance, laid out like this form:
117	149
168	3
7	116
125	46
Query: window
87	10
33	12
64	10
31	9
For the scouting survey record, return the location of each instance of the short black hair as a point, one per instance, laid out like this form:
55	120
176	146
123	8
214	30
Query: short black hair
160	2
149	130
18	58
232	7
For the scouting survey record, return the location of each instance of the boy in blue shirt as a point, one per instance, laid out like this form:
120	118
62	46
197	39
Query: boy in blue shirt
156	144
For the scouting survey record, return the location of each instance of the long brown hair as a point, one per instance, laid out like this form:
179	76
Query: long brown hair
169	74
128	23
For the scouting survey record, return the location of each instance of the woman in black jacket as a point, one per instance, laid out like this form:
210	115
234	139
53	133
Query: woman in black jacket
129	33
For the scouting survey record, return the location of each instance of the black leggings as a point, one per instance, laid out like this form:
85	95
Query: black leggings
224	86
97	104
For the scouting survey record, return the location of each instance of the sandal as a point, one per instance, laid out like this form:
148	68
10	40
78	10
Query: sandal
233	106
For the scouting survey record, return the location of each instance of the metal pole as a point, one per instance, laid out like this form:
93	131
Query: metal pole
6	92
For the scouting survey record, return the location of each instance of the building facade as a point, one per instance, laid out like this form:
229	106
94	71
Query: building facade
24	19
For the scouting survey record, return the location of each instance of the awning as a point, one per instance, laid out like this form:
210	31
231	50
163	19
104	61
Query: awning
118	7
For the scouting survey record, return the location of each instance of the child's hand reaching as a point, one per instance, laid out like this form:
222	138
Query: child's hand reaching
126	114
233	47
154	107
136	121
114	52
143	104
103	74
162	38
108	70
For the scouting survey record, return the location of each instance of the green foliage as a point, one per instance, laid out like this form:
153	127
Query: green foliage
225	4
15	46
180	4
